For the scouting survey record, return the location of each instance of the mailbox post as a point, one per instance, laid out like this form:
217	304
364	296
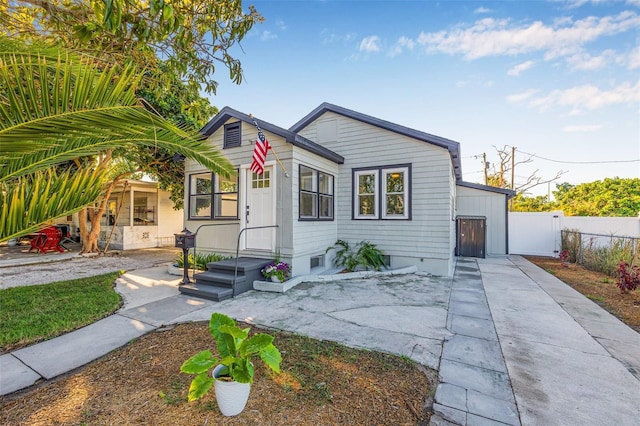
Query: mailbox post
185	241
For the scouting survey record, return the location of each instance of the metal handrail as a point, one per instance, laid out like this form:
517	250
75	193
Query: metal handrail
195	237
235	273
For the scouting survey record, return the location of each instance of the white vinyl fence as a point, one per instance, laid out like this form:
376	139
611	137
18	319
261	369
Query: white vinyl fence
538	234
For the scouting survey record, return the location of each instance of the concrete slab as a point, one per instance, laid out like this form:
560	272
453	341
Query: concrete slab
473	310
452	396
473	351
14	375
475	420
69	351
556	385
470	295
164	311
473	327
492	409
488	382
452	415
143	286
627	353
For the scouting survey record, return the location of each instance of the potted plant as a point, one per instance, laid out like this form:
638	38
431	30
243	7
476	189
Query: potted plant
277	271
233	373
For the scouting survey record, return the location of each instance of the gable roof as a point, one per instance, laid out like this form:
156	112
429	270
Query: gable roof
290	137
452	146
508	192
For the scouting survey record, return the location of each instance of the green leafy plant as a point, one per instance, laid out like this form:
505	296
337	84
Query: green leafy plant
200	260
236	350
364	255
278	269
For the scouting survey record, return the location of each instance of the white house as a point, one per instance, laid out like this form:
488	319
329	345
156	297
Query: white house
348	176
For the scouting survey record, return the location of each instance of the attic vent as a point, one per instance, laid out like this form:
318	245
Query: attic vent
232	135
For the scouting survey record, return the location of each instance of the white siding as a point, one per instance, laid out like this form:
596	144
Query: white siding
223	239
476	202
425	240
311	237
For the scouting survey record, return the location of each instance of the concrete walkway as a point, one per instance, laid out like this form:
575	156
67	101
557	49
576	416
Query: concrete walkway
513	345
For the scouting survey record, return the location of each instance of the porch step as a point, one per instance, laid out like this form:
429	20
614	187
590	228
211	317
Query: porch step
217	282
206	291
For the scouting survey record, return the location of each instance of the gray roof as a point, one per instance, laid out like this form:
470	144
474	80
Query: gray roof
452	146
289	136
508	192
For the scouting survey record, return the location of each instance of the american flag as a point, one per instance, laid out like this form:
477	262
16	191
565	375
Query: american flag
259	152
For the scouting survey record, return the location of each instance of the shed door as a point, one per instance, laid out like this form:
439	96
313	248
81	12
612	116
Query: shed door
471	237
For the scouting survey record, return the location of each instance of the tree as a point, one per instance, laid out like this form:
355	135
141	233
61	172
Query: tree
190	37
501	175
59	111
609	197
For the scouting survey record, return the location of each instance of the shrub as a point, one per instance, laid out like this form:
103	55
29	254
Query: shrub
200	260
628	277
364	255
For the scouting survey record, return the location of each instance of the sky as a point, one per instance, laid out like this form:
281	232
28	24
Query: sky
557	80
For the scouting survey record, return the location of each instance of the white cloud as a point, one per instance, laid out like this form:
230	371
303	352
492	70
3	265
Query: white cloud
480	10
268	35
633	59
495	37
586	128
402	43
586	62
521	97
370	44
329	37
583	97
281	25
520	68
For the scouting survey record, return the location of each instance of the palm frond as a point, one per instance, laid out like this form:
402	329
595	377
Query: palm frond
28	203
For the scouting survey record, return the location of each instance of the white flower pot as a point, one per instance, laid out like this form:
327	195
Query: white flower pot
275	279
231	396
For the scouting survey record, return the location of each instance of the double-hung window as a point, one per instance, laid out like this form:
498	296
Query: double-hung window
382	192
213	197
316	194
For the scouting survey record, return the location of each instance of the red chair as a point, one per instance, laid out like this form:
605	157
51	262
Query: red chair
47	239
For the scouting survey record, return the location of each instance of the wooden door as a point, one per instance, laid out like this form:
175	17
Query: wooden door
471	237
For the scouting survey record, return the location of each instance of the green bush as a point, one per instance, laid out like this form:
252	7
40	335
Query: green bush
364	255
200	260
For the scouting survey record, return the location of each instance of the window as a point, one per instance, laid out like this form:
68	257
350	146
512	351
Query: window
316	194
209	201
232	135
381	193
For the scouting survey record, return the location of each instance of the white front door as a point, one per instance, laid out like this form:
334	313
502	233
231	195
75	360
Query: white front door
260	210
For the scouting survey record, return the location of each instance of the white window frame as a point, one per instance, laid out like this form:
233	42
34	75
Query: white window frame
405	194
356	191
380	195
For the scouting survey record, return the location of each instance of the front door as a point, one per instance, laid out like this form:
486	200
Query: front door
260	210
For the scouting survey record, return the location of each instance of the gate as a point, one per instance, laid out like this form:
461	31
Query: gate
471	236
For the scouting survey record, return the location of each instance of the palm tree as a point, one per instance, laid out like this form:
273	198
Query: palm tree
58	113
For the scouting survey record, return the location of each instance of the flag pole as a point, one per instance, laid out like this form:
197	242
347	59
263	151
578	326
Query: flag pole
273	150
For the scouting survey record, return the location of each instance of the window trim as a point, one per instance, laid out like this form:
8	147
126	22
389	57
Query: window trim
234	143
380	192
315	192
212	198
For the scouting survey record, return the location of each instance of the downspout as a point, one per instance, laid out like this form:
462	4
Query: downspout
506	221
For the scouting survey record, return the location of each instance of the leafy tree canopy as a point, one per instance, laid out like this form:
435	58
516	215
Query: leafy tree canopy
609	197
191	37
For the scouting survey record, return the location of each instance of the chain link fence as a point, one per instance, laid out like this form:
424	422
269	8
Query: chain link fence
598	252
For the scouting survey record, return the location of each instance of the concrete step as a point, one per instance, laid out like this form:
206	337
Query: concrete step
210	292
222	279
244	264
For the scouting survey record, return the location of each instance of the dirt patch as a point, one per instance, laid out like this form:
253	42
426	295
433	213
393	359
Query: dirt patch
597	286
321	383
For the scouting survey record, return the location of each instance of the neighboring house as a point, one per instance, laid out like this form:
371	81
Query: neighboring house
140	216
349	176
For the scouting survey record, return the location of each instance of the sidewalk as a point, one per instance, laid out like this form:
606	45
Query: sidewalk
513	345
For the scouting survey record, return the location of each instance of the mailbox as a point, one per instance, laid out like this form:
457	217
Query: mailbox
186	239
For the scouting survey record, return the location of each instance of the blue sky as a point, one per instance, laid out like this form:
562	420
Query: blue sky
557	79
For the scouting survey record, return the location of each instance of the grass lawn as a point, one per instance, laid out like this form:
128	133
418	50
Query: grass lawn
34	313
